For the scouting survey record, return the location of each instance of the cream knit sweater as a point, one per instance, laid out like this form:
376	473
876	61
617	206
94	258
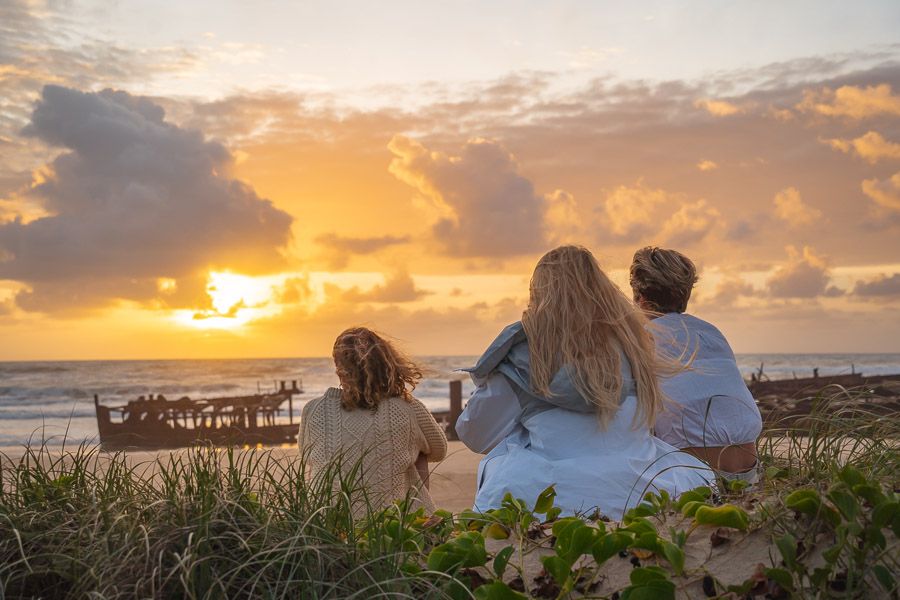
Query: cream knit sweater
386	442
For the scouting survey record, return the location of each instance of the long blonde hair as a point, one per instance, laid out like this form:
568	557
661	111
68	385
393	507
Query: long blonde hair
577	317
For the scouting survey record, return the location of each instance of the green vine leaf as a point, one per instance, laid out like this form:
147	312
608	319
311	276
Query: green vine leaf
545	500
723	516
497	590
466	550
501	560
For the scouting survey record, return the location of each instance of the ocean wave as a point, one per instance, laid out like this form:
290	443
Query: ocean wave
26	368
47	439
24	394
49	413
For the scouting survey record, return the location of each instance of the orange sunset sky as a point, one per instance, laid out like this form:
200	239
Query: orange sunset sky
237	179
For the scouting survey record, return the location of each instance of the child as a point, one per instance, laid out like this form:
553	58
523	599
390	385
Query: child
373	421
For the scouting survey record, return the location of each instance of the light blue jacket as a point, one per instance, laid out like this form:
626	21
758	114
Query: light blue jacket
508	355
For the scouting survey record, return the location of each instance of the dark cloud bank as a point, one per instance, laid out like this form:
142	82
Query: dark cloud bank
132	198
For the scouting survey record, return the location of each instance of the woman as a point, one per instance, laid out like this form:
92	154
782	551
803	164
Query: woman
568	397
373	422
712	414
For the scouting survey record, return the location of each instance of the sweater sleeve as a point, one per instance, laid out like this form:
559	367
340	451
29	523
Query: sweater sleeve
303	435
310	434
300	432
435	440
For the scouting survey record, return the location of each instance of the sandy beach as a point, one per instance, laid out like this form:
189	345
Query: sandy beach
453	479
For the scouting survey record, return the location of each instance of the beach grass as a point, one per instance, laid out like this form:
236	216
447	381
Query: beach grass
225	523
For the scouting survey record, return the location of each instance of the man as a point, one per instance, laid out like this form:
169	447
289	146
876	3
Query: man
712	414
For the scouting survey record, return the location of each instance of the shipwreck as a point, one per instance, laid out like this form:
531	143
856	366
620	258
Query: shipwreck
155	421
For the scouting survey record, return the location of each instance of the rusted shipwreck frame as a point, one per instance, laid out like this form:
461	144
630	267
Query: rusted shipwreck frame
790	402
156	422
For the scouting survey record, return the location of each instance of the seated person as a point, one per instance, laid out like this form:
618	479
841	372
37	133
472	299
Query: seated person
711	413
567	397
373	421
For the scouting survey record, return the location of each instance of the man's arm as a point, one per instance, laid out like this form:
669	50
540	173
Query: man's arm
490	415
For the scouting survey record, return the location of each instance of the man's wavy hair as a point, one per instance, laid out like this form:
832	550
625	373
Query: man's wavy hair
663	279
371	369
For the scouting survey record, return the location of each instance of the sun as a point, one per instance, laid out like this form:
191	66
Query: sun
236	300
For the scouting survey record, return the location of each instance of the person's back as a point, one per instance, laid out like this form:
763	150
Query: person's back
372	428
711	412
567	397
382	445
713	406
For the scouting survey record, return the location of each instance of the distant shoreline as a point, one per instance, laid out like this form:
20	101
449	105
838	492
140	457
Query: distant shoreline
419	357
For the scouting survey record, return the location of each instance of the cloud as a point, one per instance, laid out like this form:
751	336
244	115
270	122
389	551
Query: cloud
294	290
582	139
6	307
852	102
630	211
451	331
637	213
230	313
690	224
398	287
806	275
485	207
882	286
342	248
885	193
727	293
780	114
871	146
719	108
707	165
586	57
41	43
562	217
743	230
610	133
729	290
131	199
790	207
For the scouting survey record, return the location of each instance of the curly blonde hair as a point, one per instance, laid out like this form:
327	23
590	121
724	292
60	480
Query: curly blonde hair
578	318
371	369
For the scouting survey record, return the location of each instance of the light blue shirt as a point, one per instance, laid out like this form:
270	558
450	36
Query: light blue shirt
710	405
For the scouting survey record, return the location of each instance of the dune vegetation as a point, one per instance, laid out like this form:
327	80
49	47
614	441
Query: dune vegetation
225	523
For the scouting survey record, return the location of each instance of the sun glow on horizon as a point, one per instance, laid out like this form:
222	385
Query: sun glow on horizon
236	300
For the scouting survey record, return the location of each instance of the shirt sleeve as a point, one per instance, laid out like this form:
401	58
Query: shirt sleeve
435	439
490	415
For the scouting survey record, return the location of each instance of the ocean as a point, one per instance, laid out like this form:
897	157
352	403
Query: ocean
49	400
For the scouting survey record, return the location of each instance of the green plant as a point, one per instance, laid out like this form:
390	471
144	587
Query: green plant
208	523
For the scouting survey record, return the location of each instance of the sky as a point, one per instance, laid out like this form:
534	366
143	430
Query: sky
232	179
